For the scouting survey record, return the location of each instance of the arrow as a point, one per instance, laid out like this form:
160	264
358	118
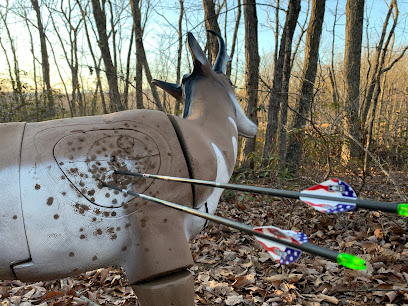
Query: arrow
284	246
332	196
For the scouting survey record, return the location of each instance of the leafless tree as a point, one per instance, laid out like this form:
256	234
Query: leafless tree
279	92
304	101
380	68
47	90
96	62
13	65
352	66
211	23
251	72
36	98
234	37
141	55
110	70
179	51
66	13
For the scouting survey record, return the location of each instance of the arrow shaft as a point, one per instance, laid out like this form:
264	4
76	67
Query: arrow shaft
365	204
306	247
374	205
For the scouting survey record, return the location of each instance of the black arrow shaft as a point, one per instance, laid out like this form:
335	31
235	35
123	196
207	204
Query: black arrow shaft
306	247
365	204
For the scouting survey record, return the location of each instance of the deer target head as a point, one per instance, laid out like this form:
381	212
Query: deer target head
209	85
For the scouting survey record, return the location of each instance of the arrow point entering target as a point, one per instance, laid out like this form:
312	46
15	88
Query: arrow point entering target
351	261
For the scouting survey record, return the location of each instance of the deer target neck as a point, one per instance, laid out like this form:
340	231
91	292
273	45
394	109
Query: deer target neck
208	103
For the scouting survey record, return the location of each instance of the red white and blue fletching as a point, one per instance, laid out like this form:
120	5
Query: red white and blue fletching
334	188
280	252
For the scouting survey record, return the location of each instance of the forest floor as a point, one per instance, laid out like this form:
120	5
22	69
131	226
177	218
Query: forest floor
231	268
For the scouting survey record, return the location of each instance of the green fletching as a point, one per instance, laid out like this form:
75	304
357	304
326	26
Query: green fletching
351	261
403	209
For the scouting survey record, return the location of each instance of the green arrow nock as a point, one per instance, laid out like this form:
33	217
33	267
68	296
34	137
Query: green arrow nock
351	261
403	209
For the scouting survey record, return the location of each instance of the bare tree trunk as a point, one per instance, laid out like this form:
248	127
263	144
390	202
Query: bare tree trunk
332	74
113	34
376	78
140	51
16	84
99	84
179	51
127	78
303	30
96	65
110	70
287	69
234	38
36	100
13	81
149	78
381	51
72	57
137	23
275	51
303	103
211	23
44	61
251	74
277	97
139	72
352	66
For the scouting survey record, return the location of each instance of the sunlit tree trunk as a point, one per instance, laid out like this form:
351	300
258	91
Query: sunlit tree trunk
96	63
36	99
293	11
211	23
278	96
304	101
384	49
234	38
251	73
71	56
137	23
110	70
179	51
141	54
127	77
352	66
44	61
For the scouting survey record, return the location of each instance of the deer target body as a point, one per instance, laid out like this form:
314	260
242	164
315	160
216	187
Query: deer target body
58	220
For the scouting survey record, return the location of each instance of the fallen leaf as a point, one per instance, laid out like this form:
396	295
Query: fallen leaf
234	300
391	295
244	280
286	277
328	298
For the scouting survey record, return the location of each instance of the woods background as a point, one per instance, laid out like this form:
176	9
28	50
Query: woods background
324	81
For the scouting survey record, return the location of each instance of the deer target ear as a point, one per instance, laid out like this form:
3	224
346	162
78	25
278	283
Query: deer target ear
197	53
223	58
172	89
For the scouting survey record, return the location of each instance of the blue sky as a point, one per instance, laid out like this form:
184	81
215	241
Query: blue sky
161	40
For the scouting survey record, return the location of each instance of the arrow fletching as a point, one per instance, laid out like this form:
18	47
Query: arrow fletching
281	253
283	245
331	188
351	261
332	196
403	209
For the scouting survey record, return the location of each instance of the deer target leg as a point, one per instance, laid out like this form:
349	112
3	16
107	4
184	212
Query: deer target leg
173	289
